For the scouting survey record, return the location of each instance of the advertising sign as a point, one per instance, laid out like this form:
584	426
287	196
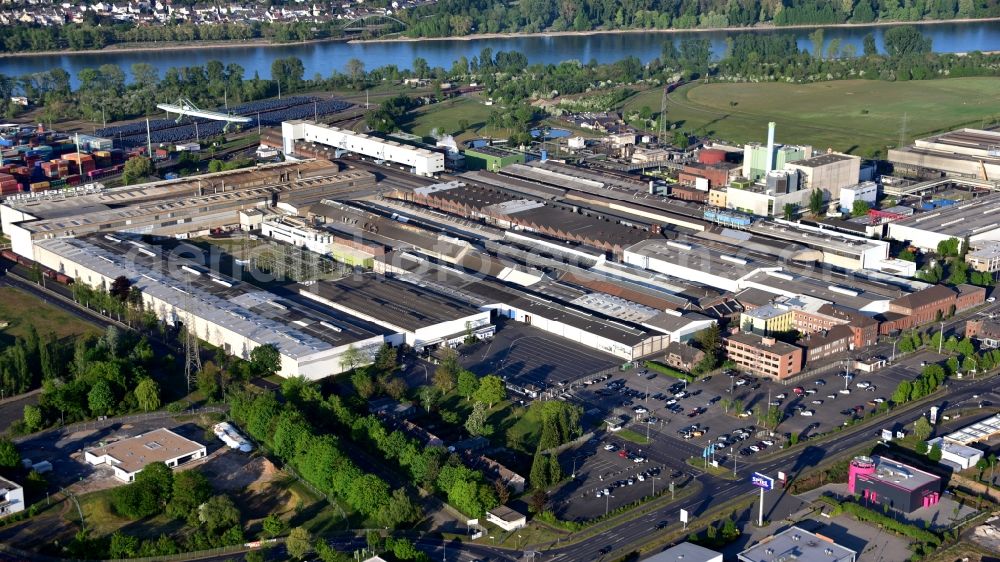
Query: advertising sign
761	481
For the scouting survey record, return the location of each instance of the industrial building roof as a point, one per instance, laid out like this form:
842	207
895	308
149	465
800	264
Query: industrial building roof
685	552
725	262
296	331
825	240
822	160
8	484
407	305
525	187
842	291
492	151
159	445
988	250
965	219
758	341
901	475
797	544
982	142
982	430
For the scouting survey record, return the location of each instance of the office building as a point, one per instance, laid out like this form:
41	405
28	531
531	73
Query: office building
956	455
891	483
128	457
797	544
764	356
506	518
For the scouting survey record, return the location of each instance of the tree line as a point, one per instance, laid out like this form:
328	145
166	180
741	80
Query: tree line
463	17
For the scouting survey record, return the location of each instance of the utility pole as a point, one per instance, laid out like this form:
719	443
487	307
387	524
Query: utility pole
941	338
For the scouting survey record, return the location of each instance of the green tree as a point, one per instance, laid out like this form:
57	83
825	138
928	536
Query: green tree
363	384
147	394
386	359
273	526
123	546
136	168
191	488
476	423
902	393
934	453
491	390
208	380
468	383
9	457
789	211
922	429
816	202
351	359
904	41
101	398
265	360
446	374
32	417
860	208
298	543
218	513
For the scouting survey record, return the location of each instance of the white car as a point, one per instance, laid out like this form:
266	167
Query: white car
879	400
768	442
808	413
831	396
863	384
991	299
610	447
844	391
755	448
781	396
639	460
641	478
599	494
640	410
746	414
817	402
671	402
741	382
810	392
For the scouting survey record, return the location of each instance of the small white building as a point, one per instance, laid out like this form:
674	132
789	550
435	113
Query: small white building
231	437
11	498
955	454
128	457
506	518
188	147
865	191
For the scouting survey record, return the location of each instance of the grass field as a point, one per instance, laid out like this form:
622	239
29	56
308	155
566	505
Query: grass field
445	116
856	116
23	310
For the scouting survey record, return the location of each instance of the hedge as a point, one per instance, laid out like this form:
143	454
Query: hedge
664	370
864	514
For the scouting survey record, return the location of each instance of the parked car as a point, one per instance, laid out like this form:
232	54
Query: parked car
807	413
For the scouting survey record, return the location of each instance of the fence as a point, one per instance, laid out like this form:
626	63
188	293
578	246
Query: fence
578	441
132	418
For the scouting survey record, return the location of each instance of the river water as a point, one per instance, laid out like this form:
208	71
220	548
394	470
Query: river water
325	57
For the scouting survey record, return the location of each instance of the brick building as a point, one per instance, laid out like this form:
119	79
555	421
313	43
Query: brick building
836	341
864	328
928	305
764	356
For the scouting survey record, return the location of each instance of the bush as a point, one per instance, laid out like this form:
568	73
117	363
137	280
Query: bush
664	370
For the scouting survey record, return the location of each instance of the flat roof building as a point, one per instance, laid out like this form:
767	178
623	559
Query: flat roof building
685	552
506	518
11	497
764	356
828	172
977	220
234	316
986	257
491	158
962	152
893	484
421	161
795	543
978	432
956	455
420	316
127	457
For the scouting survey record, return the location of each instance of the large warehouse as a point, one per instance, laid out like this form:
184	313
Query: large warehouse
422	161
964	152
221	311
977	220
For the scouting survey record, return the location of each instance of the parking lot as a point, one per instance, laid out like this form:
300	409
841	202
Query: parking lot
609	473
684	419
524	355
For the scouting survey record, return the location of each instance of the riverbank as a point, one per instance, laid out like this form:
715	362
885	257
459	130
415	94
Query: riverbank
174	46
764	27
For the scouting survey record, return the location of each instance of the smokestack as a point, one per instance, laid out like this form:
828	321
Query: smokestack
770	147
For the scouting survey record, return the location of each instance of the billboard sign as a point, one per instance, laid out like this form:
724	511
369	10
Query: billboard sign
761	481
684	516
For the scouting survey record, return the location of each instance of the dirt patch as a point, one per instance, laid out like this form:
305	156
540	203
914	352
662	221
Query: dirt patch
232	471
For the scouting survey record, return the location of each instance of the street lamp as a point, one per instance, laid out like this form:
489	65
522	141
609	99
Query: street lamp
941	338
607	498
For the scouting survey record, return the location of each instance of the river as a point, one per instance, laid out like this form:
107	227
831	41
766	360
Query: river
324	57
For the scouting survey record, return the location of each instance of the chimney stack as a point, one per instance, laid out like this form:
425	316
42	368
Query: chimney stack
770	147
